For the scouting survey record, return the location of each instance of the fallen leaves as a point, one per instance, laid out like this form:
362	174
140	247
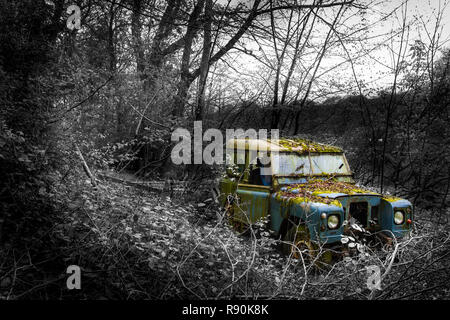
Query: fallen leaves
154	247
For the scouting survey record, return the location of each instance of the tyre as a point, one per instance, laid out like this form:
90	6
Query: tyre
296	241
297	244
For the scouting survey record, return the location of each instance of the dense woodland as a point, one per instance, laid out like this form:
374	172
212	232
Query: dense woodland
110	93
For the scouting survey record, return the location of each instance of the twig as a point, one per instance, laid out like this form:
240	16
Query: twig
85	166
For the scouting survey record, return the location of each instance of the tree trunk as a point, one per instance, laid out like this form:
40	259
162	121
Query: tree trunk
136	31
296	54
274	119
204	65
185	76
321	54
157	51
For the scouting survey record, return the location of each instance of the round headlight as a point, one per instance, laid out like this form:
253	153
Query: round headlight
398	217
333	221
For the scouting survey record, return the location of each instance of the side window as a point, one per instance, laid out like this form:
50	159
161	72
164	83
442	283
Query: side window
230	157
259	167
265	162
240	159
235	162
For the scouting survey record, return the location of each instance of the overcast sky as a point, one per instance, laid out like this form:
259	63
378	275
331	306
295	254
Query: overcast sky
421	17
374	54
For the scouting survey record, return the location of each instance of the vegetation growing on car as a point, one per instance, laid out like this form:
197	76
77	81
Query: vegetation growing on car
391	198
306	145
310	191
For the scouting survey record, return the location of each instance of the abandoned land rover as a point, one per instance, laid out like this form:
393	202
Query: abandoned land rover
306	192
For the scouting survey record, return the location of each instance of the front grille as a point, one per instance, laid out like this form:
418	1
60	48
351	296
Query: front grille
374	214
358	210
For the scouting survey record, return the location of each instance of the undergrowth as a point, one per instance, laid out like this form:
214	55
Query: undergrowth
136	244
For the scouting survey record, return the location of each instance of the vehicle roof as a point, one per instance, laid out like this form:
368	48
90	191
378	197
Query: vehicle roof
297	145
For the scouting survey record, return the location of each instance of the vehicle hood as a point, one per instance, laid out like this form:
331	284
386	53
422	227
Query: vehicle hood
328	192
335	195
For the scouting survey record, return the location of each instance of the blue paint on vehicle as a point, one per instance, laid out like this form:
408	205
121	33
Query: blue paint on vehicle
309	213
332	195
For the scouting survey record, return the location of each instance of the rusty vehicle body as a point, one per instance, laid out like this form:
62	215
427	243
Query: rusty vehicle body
309	198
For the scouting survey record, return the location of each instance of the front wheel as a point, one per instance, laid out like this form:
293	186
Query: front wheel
297	244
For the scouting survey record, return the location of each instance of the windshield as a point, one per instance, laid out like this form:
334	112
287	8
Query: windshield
313	164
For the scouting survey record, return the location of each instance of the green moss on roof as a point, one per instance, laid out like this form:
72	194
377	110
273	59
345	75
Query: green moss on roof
306	145
391	199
